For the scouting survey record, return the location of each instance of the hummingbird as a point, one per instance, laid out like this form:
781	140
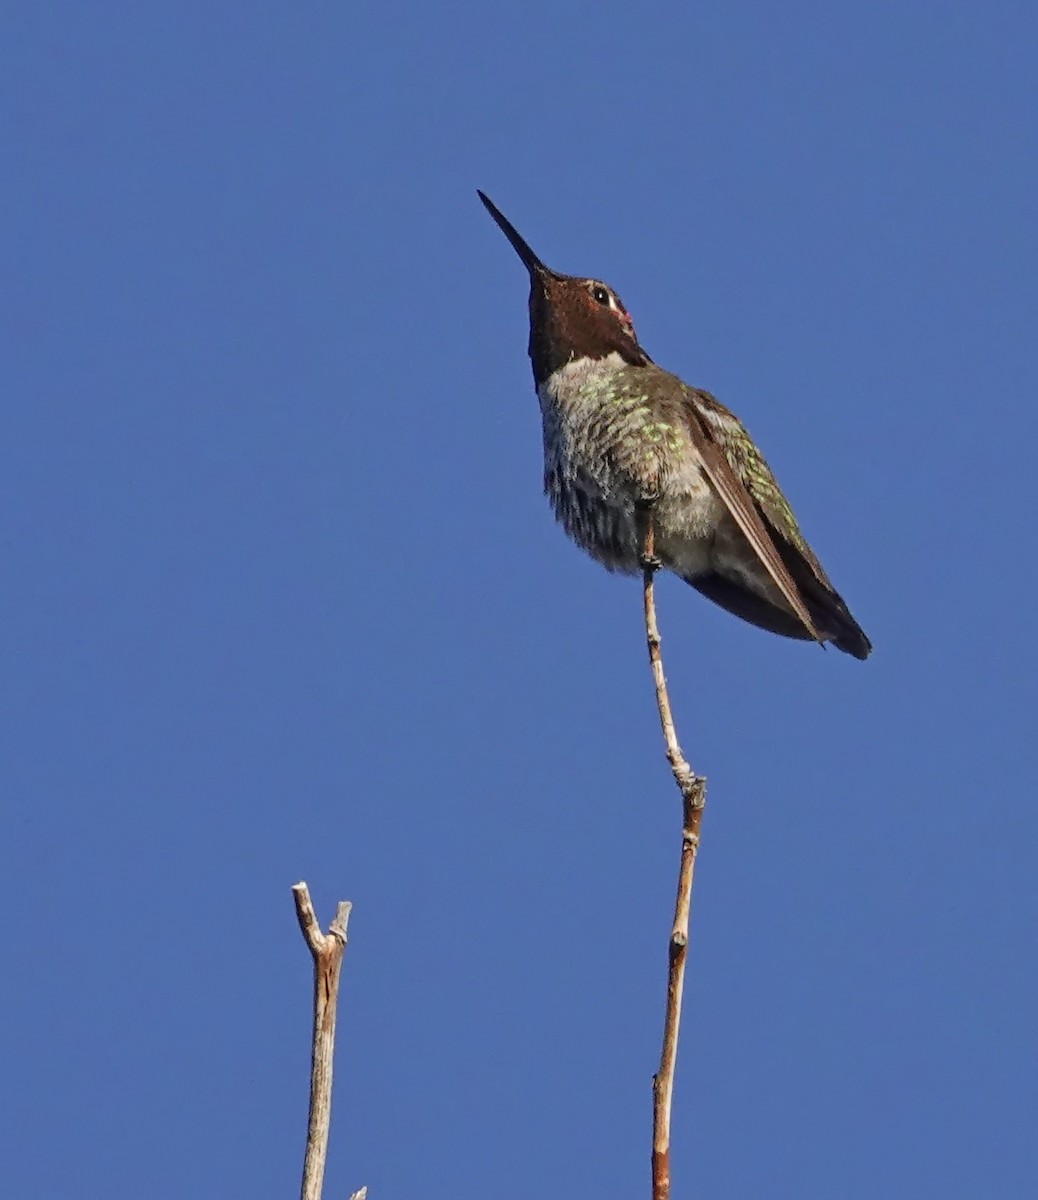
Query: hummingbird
623	437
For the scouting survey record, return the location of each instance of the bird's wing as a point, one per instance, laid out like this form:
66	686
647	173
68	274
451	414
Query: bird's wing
729	457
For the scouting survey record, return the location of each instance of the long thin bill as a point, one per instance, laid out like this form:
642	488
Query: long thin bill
531	261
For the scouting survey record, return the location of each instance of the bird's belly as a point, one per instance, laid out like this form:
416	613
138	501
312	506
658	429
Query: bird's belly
602	524
601	519
685	528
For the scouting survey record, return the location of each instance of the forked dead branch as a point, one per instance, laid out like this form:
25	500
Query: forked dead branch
327	950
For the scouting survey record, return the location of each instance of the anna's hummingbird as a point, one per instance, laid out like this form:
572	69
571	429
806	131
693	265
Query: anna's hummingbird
623	436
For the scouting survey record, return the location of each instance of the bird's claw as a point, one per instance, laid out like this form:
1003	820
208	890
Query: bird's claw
650	562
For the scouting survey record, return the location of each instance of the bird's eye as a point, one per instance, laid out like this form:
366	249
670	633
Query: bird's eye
601	295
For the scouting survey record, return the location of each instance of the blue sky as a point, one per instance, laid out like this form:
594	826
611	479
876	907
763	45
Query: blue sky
282	600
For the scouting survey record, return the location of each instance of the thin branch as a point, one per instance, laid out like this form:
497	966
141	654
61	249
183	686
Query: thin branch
327	950
693	801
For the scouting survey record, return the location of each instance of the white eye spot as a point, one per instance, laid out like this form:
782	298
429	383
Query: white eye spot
602	295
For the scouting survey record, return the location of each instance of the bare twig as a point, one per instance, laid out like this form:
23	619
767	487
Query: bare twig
693	800
327	950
